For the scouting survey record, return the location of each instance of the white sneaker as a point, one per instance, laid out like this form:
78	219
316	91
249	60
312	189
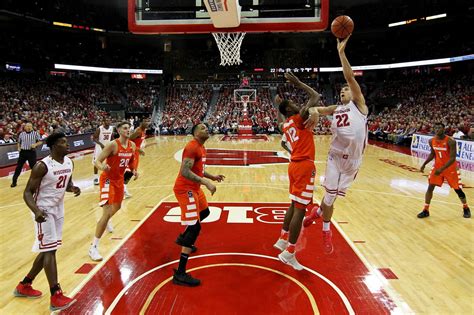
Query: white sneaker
281	244
126	194
96	181
94	253
290	259
110	227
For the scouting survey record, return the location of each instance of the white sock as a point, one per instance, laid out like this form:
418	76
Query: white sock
96	176
95	242
326	226
125	188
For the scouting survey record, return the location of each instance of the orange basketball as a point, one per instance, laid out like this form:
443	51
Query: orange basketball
342	26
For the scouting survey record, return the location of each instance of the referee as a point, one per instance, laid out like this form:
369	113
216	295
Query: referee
28	140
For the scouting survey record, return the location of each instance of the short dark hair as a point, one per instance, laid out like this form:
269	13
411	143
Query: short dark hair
282	107
120	124
53	138
439	124
344	85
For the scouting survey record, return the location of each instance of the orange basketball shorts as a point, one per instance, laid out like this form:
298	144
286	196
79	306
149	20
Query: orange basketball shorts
452	176
301	174
111	191
191	203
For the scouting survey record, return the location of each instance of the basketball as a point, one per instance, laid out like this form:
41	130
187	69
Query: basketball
342	26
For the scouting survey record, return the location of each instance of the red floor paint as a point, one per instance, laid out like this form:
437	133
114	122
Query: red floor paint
388	273
240	233
85	269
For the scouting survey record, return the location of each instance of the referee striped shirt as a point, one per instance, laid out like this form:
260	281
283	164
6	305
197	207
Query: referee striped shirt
27	139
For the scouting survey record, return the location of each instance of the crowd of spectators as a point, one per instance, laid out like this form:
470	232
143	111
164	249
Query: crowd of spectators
49	106
419	103
141	97
185	106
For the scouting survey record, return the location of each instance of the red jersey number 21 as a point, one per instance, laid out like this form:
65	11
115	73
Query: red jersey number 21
342	120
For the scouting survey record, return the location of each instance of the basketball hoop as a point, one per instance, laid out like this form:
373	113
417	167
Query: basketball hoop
229	47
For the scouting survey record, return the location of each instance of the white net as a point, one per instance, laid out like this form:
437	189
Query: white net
229	47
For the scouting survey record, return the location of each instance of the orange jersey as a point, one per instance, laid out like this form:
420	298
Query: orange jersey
120	161
299	139
138	141
196	151
442	152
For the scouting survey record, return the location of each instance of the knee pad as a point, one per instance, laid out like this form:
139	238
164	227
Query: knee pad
460	193
329	199
188	238
204	214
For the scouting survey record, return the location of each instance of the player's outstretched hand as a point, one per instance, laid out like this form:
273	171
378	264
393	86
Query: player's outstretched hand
278	100
76	191
341	44
210	186
292	78
218	178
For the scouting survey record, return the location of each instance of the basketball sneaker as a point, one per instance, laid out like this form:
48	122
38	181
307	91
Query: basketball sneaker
290	259
423	214
327	242
110	227
25	290
94	253
96	181
467	213
281	244
126	194
60	302
312	216
180	242
185	279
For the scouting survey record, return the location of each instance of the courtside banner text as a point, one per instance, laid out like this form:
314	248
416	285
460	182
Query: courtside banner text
464	148
9	152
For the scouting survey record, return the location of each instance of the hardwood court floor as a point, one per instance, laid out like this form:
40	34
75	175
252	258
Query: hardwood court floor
432	258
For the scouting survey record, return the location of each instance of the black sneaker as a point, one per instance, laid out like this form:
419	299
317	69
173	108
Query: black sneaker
185	279
467	213
180	242
13	185
423	214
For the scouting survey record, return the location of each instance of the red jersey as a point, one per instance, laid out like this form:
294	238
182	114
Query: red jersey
138	141
442	152
196	151
120	162
298	139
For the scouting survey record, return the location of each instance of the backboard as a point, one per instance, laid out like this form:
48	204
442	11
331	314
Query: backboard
257	16
245	96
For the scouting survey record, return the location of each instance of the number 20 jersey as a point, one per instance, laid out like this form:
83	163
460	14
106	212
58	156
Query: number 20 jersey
299	139
54	183
349	131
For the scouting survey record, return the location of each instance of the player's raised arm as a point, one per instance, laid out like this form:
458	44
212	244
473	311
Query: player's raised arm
314	96
281	118
357	96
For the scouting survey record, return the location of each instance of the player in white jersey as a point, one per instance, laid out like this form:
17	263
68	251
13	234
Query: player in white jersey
44	195
349	138
102	136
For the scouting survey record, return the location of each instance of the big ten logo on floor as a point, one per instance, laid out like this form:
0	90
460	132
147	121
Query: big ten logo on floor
241	213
